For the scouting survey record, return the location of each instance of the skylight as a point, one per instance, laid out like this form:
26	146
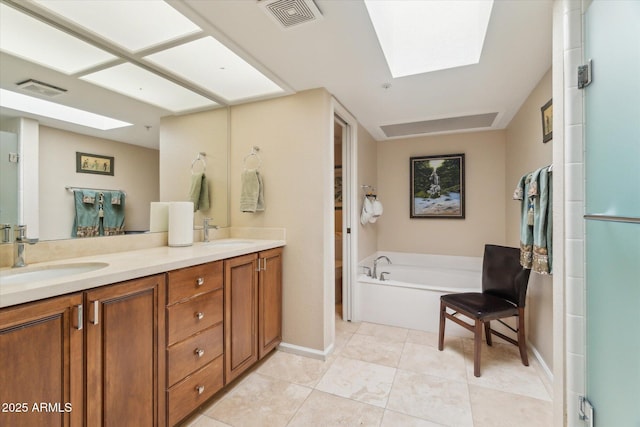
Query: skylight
422	36
29	104
133	25
138	83
211	65
35	41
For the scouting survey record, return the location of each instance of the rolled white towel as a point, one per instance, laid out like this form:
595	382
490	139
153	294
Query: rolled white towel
367	211
376	211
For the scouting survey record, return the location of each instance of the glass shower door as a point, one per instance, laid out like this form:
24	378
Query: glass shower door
612	171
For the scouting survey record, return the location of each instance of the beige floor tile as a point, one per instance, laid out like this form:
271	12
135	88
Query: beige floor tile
203	421
344	326
423	338
424	359
259	400
362	381
341	341
492	408
397	419
501	369
431	398
294	368
369	348
391	332
323	409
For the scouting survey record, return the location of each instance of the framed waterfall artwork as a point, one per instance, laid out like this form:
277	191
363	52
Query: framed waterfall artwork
437	186
94	163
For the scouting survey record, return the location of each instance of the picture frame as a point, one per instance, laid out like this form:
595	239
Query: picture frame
437	188
94	163
337	187
547	121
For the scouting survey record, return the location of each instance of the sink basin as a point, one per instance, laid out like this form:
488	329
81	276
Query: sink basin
25	275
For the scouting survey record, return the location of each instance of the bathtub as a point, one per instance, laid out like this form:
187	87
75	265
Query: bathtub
409	297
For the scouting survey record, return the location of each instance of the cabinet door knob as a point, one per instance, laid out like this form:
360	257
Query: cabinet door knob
199	352
200	281
200	389
199	315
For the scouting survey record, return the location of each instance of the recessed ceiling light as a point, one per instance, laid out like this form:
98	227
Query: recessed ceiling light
133	25
138	83
35	41
421	36
211	65
30	104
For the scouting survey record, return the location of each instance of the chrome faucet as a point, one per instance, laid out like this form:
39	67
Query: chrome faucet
6	233
21	239
375	265
206	227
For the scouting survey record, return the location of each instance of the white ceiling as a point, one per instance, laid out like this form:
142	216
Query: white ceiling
340	53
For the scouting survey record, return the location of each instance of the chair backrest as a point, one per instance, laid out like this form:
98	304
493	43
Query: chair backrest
502	274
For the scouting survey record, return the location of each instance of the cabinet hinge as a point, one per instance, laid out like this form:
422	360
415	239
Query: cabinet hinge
585	74
585	411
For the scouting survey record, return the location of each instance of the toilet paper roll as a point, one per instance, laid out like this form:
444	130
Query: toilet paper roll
180	223
159	216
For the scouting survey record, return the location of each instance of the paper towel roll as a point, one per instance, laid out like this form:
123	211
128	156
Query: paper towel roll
159	216
180	223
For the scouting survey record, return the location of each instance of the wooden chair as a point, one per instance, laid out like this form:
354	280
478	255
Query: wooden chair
504	289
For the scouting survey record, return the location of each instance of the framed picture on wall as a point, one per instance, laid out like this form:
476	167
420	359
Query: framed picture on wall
337	187
437	186
547	121
94	163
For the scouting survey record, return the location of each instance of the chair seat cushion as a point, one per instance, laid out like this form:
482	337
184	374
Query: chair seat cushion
480	305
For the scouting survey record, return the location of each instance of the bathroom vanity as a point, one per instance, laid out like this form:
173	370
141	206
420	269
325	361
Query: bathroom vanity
144	341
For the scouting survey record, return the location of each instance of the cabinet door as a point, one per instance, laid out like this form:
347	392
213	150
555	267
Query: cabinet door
124	347
270	301
41	363
241	314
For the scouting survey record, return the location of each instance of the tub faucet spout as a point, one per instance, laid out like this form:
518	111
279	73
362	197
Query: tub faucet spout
375	265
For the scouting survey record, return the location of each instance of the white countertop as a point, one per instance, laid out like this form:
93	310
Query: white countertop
124	266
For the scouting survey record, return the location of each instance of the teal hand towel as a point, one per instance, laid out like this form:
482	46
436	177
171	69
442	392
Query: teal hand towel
199	192
86	222
113	220
252	192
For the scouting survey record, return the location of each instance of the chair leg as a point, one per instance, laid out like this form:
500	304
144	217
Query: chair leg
522	344
477	348
487	333
443	309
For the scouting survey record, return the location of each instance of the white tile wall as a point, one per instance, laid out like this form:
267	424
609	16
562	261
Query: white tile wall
574	211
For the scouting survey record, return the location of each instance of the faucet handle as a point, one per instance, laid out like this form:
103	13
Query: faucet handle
20	232
6	233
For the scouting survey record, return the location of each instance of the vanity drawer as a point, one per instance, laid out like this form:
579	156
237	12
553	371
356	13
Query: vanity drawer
187	395
194	352
190	281
194	315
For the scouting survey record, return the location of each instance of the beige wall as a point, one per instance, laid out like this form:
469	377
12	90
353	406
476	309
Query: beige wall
367	175
181	139
526	152
135	172
296	148
484	193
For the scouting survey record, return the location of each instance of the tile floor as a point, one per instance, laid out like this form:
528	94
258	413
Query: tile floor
385	376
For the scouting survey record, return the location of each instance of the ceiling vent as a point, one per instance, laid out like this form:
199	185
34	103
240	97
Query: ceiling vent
290	13
449	124
41	88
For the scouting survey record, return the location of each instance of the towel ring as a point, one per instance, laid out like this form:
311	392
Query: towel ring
199	158
254	153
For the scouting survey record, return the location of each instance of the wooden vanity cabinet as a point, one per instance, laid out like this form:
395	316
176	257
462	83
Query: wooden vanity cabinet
269	301
253	309
195	361
41	352
125	353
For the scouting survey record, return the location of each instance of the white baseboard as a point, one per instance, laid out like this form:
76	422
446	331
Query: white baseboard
306	351
542	363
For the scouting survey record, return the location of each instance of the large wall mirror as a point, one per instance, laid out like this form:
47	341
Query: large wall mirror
151	155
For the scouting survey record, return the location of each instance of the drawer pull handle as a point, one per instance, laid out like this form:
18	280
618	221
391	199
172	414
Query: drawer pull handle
200	389
199	315
200	281
199	352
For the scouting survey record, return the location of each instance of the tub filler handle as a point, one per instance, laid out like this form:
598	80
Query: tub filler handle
382	278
